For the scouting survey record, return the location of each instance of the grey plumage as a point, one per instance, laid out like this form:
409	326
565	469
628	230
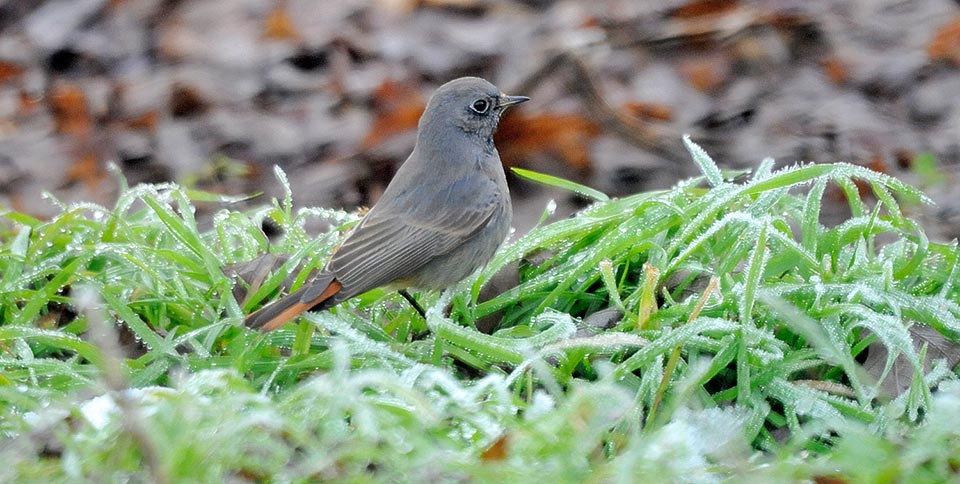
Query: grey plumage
443	215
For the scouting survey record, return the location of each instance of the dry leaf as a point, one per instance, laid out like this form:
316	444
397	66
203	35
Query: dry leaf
697	8
835	69
398	107
279	26
901	374
497	451
706	73
28	103
9	71
86	170
830	480
146	121
69	105
567	136
945	45
648	111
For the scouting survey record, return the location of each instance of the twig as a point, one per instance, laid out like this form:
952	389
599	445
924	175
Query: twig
675	354
602	113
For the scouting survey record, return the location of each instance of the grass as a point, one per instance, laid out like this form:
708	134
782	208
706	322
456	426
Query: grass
756	345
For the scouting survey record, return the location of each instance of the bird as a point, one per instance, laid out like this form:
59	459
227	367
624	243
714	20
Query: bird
443	215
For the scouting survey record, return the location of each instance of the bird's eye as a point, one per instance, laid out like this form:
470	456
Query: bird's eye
480	106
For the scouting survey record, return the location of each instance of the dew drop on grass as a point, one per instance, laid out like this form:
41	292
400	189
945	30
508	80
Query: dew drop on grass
541	404
551	207
805	403
98	411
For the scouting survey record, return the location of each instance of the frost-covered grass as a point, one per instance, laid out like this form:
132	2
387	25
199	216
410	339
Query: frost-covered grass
748	350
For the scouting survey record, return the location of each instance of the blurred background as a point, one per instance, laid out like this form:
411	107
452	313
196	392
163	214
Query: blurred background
212	94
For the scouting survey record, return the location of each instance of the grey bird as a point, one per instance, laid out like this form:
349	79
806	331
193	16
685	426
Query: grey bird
443	216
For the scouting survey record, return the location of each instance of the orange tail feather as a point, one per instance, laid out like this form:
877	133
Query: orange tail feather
290	306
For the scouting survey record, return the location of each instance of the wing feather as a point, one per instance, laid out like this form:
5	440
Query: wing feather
391	243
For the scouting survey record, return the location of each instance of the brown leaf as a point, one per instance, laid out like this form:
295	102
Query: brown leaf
901	374
697	8
830	480
828	387
146	121
398	107
9	71
567	136
706	73
835	69
86	170
945	45
879	164
497	451
28	103
279	26
69	105
648	111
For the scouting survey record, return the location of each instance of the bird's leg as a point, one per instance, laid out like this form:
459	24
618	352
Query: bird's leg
413	302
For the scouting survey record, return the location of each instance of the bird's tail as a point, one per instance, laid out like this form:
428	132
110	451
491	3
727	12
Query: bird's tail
312	295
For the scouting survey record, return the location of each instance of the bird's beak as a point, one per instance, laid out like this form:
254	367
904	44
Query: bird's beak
506	101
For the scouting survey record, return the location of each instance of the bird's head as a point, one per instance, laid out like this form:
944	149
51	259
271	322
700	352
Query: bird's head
470	104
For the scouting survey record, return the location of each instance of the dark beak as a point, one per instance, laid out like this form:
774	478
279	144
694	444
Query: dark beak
507	101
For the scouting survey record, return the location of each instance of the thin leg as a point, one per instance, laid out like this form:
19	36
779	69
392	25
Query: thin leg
413	302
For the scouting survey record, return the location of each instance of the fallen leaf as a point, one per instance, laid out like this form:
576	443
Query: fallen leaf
69	105
86	170
706	74
9	71
648	111
398	108
829	480
567	136
835	69
901	375
497	451
146	121
279	26
828	387
945	44
879	164
697	8
28	103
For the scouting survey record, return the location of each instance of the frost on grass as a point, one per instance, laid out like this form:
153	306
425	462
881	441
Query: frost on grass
371	391
697	446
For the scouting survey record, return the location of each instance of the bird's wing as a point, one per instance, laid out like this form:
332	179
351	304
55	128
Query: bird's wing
399	236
